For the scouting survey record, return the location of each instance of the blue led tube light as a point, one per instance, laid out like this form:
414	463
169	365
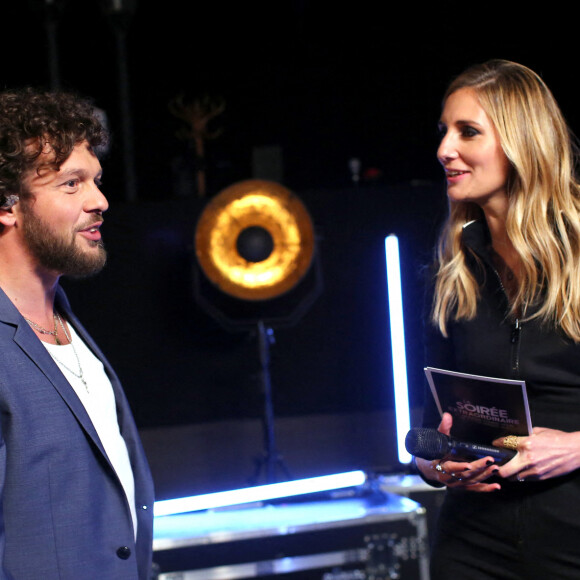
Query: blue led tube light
395	296
259	493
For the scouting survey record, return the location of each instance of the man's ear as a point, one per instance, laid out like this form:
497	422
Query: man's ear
7	213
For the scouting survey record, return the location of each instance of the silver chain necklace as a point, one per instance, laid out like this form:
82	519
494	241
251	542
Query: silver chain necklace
79	375
45	330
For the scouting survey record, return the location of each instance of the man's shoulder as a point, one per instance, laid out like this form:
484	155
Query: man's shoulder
8	312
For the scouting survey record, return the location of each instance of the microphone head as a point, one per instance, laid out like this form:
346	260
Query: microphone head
427	443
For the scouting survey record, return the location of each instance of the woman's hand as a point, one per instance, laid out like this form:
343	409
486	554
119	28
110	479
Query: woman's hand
449	471
546	453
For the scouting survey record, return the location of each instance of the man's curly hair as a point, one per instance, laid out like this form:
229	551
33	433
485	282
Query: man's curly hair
30	120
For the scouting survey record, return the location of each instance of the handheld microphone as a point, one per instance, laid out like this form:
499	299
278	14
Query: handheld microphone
431	444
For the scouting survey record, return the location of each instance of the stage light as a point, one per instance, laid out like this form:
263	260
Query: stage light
259	493
257	268
255	240
395	296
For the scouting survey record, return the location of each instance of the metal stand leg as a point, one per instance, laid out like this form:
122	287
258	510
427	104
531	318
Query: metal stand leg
271	461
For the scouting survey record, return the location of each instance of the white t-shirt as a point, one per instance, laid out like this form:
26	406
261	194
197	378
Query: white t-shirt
99	401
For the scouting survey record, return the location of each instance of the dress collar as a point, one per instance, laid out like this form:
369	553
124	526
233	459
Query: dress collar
476	237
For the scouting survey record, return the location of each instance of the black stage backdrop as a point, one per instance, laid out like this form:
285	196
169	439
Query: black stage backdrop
180	366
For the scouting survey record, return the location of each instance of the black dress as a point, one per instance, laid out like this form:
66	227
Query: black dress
529	529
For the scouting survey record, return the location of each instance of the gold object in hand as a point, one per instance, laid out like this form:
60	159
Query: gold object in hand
511	442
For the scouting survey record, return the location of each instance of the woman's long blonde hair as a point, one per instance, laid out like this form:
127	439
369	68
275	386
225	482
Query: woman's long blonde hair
543	220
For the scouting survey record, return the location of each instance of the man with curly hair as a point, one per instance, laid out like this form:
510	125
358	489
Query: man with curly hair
75	488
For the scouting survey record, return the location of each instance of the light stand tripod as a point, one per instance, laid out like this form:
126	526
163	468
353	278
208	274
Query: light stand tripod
271	460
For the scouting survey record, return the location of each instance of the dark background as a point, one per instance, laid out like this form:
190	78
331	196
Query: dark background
322	84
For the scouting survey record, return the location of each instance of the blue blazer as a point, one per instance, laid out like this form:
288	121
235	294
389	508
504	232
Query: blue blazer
63	512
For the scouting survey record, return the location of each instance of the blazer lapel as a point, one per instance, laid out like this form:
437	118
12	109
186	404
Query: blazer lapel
127	425
28	342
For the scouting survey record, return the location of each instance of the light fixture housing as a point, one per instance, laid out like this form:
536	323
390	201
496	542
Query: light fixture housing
255	240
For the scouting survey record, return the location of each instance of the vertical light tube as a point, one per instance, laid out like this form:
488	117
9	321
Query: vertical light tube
395	295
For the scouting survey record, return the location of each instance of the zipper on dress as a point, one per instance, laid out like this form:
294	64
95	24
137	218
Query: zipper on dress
515	334
515	340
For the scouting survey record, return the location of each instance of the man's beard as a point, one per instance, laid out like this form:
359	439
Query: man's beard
55	253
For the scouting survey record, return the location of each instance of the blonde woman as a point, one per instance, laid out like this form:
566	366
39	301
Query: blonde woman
506	303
